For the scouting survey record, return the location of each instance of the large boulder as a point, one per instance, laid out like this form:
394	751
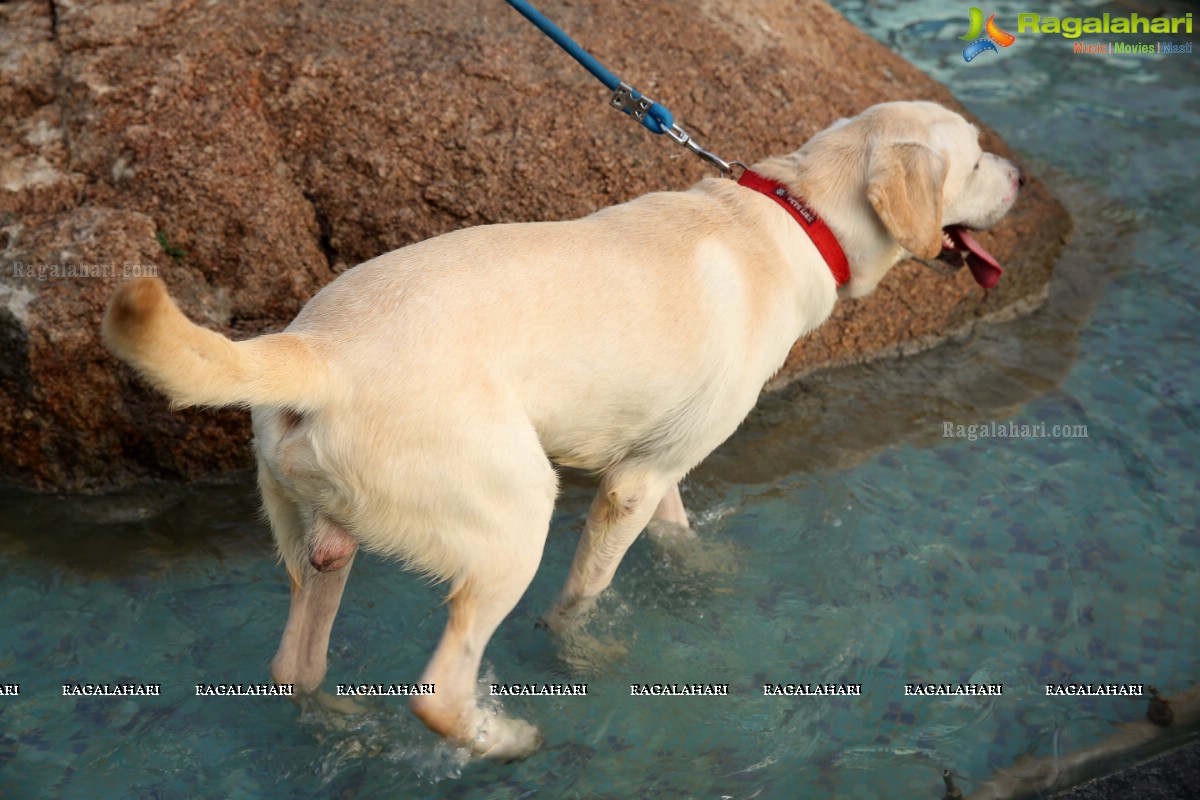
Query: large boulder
249	151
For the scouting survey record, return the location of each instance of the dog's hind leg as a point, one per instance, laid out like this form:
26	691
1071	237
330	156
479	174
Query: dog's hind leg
625	503
478	605
503	553
302	654
301	658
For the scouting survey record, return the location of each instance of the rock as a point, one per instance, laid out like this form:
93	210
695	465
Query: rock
248	151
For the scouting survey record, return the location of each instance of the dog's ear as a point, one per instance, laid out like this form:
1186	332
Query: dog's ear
904	186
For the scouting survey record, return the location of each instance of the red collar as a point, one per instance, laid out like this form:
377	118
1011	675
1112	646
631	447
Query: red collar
826	243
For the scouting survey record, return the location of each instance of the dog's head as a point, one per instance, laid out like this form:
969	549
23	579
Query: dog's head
920	169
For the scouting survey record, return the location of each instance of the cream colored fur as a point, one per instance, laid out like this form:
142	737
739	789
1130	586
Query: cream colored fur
416	405
194	366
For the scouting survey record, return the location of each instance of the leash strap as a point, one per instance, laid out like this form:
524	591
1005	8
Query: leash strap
654	116
826	243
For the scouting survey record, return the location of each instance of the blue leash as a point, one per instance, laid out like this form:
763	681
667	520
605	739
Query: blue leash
654	116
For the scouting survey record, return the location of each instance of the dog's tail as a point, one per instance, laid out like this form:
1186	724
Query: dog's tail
195	366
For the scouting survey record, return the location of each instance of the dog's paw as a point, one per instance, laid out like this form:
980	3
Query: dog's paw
503	738
682	549
582	651
321	700
668	535
589	655
562	619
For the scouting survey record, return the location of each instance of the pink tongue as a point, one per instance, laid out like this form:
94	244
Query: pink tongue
983	264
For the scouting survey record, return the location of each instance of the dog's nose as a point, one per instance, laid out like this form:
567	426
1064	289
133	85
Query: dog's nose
1021	179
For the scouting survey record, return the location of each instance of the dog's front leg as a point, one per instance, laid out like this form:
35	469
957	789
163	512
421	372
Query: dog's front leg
619	512
670	508
301	658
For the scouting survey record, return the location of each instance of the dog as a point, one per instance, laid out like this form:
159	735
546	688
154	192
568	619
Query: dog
417	405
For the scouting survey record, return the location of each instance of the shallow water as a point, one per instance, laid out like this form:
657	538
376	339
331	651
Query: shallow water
858	546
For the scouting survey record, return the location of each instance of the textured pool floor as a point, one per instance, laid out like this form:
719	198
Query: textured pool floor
1010	562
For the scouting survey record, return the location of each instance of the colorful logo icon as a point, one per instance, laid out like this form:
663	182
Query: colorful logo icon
994	36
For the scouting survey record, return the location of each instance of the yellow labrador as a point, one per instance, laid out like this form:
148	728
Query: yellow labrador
416	405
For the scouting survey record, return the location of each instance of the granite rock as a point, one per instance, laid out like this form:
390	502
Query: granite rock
249	151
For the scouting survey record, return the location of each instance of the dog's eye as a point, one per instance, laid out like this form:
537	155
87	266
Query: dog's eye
977	163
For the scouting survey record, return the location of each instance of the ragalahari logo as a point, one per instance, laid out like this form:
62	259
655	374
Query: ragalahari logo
994	37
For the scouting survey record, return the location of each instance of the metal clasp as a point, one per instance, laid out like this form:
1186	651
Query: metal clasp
682	137
623	100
